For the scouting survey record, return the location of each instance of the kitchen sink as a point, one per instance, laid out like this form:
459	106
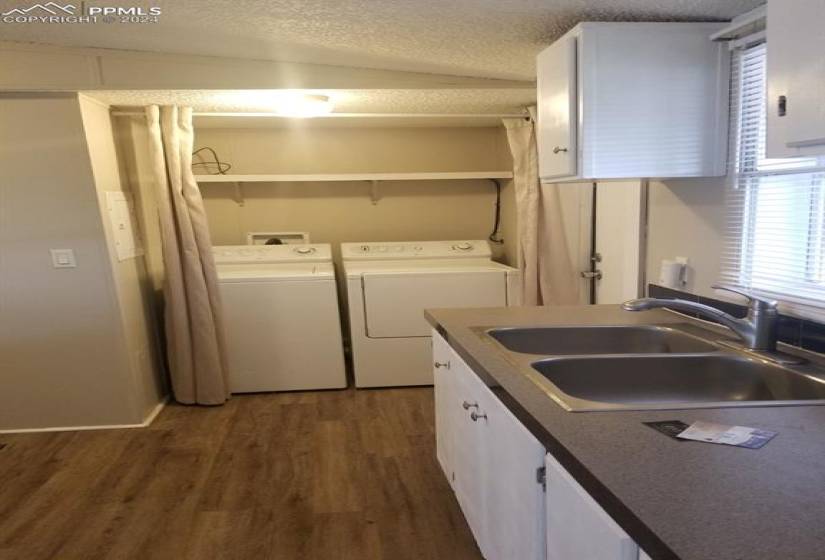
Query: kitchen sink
640	382
585	340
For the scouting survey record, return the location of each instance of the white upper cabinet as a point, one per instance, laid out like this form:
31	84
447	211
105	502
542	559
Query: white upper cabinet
796	78
633	100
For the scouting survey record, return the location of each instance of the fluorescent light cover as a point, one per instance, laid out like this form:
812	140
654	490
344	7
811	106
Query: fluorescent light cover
302	105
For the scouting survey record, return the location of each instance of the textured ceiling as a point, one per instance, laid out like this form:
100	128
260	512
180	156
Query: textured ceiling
484	38
346	101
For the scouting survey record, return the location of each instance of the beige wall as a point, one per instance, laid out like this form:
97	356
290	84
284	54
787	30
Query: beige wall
337	212
133	285
77	346
687	219
61	362
132	144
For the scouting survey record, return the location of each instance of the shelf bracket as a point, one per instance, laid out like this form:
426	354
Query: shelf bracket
374	195
239	199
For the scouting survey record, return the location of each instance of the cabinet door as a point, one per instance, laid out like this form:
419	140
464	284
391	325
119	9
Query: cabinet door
577	527
796	70
469	448
557	121
515	496
444	392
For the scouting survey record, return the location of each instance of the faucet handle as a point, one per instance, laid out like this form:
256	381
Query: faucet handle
755	301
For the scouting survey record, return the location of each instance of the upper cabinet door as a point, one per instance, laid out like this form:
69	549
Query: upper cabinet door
796	78
556	129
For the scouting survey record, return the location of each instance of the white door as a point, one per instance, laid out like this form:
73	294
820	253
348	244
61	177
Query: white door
796	70
620	230
556	127
515	496
620	212
577	527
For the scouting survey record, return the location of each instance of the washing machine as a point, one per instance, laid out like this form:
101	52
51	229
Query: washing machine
389	285
280	308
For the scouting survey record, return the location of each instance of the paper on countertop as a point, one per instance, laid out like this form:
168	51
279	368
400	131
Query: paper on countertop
740	436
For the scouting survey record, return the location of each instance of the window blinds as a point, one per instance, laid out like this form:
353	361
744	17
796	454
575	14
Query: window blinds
775	240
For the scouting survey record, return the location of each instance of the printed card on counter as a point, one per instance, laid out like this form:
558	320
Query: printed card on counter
740	436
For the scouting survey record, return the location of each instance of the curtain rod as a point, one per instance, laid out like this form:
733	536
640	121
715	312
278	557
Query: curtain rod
344	115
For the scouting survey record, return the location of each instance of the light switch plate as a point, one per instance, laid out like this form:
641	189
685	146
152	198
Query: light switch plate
63	258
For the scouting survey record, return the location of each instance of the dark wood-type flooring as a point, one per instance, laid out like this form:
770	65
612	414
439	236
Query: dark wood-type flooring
344	475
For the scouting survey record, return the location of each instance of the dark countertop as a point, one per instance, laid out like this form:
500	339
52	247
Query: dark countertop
686	500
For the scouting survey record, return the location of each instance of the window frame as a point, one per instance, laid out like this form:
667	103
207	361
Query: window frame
745	173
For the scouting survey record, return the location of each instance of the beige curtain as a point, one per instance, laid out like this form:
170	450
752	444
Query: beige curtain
194	332
548	276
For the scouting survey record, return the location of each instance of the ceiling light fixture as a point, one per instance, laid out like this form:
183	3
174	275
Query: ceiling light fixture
303	105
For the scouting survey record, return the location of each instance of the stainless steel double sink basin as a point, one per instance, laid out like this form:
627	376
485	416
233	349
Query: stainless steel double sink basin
637	367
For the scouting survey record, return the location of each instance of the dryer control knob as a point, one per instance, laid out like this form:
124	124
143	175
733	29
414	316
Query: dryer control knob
463	246
305	250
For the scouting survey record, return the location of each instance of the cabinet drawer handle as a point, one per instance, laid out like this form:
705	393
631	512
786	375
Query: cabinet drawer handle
475	416
466	405
439	365
559	149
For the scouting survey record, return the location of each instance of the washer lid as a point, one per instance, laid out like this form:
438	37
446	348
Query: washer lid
252	254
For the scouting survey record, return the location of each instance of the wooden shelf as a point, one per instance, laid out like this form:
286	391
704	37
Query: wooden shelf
354	177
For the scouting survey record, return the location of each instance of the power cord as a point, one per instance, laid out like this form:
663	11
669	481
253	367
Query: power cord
221	166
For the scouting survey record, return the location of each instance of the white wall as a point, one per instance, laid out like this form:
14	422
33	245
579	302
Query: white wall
687	219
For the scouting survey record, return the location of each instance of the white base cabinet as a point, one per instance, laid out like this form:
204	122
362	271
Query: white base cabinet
491	460
496	468
577	527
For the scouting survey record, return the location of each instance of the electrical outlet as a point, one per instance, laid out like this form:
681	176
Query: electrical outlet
63	258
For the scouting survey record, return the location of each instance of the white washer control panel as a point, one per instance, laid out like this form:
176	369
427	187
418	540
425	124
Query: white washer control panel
416	250
240	254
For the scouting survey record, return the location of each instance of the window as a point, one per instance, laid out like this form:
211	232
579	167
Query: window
776	207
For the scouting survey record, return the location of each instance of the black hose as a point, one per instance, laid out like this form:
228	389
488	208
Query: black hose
494	236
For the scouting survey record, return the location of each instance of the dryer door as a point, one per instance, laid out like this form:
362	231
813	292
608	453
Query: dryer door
394	302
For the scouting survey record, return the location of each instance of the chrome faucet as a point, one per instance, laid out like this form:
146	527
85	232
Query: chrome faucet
758	329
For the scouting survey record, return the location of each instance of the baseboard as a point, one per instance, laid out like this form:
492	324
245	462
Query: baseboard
146	422
154	412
